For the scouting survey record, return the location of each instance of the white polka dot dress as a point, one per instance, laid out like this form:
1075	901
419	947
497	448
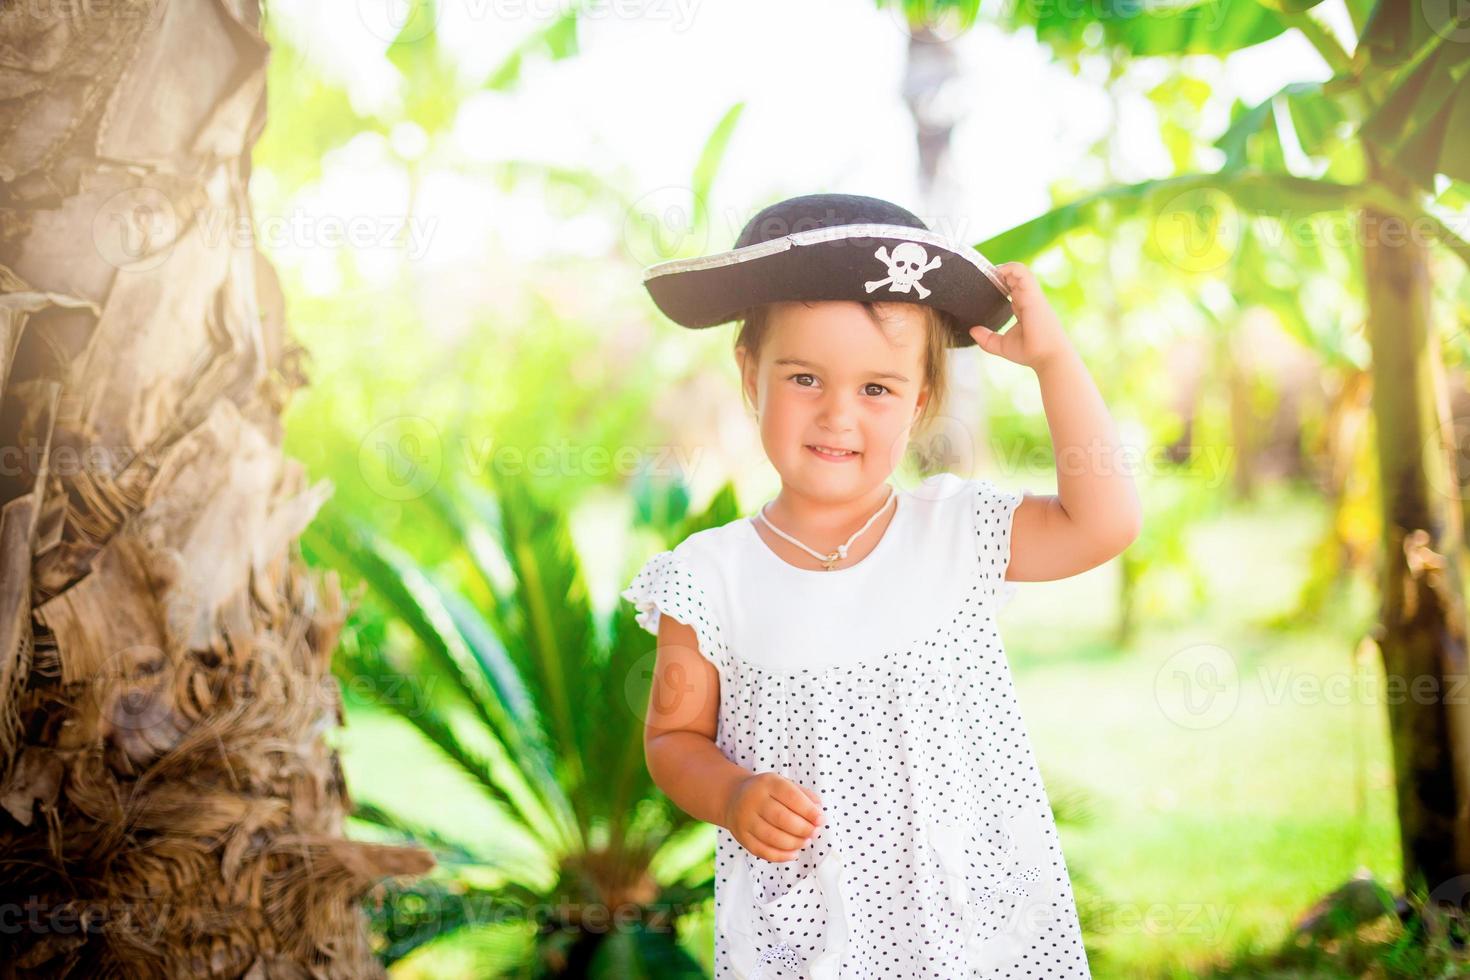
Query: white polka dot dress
884	687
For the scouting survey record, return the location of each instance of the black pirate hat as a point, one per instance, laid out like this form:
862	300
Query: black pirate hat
832	247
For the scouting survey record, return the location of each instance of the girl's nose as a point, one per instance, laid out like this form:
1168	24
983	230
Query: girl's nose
836	412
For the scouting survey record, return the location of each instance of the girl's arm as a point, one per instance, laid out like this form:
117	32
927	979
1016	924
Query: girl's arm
1096	512
679	732
771	816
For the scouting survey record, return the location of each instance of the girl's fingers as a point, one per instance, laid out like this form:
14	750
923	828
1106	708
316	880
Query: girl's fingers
799	799
987	339
782	817
776	838
773	855
1015	276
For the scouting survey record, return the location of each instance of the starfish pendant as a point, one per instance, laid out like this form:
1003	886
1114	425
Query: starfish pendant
830	560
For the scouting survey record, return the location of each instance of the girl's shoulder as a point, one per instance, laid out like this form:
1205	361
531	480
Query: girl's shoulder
946	498
979	512
690	581
713	548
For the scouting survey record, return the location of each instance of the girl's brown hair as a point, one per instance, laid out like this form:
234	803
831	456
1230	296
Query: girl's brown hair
939	327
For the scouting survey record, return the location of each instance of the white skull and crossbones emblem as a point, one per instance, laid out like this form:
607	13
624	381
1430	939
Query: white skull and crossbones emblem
908	262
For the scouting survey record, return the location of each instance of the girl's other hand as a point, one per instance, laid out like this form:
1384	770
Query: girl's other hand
1037	334
772	817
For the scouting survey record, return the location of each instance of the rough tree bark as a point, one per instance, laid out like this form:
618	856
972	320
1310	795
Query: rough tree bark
1422	622
168	804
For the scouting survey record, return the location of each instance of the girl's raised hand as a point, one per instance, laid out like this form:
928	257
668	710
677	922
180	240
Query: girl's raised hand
772	817
1037	334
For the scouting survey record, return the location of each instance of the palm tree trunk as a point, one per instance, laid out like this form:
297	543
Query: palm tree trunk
1242	422
168	805
1422	626
930	68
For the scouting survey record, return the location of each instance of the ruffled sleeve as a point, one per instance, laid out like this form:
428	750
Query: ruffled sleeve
994	510
667	584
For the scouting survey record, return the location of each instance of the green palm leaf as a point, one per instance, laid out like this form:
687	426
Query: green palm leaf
558	750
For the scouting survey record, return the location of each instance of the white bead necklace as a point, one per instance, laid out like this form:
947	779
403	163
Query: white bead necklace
828	561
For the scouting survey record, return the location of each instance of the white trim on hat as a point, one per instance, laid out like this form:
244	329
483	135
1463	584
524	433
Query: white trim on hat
813	236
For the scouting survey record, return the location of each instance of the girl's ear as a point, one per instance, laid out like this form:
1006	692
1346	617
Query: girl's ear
747	374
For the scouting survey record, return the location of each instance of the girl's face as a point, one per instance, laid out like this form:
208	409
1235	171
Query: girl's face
830	377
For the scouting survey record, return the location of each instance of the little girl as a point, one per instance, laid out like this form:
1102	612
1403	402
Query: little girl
830	687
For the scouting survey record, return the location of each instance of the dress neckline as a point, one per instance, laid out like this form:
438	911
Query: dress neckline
878	549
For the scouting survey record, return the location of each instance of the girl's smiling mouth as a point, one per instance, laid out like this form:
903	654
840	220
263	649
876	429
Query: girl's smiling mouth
825	452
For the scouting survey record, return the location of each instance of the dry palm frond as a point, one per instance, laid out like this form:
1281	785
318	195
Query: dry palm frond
168	804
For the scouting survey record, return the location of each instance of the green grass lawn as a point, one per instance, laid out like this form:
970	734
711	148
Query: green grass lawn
1208	831
1229	775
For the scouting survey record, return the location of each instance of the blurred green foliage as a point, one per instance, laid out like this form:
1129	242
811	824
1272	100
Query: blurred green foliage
406	402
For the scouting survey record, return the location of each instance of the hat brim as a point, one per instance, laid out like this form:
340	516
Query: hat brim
844	262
